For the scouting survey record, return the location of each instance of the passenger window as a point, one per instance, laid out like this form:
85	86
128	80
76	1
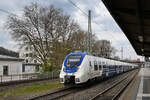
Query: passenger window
90	63
95	65
100	67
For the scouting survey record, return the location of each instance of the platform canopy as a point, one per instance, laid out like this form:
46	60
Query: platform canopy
133	17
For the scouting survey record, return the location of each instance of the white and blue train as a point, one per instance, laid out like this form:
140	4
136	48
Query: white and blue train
78	67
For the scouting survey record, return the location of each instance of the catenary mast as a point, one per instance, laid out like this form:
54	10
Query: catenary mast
89	33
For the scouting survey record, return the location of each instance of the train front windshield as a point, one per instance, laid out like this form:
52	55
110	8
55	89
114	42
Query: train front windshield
73	60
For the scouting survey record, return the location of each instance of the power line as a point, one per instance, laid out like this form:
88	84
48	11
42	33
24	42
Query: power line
92	20
2	10
78	7
97	6
87	15
84	13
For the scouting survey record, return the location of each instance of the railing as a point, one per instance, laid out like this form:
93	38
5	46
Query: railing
32	76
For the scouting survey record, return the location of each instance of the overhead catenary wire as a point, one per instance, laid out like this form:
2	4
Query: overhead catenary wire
104	16
105	29
78	7
70	1
2	10
84	13
74	4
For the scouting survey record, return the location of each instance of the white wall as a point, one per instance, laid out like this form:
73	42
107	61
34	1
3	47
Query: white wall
29	69
14	67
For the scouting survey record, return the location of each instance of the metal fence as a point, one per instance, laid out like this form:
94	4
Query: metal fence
19	77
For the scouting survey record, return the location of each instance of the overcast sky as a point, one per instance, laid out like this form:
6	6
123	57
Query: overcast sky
103	25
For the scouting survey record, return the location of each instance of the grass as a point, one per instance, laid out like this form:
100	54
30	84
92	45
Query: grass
32	89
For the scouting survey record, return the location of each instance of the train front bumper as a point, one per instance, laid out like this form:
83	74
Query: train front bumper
70	78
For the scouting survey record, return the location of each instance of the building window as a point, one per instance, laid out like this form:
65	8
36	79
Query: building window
35	61
26	48
5	70
31	48
23	68
27	54
30	54
37	68
26	60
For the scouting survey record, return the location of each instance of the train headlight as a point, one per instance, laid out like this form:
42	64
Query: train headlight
77	80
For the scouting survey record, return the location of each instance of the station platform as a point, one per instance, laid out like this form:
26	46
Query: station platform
139	89
144	84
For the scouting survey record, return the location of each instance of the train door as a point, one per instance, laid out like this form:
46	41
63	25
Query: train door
105	69
100	68
93	68
90	68
96	71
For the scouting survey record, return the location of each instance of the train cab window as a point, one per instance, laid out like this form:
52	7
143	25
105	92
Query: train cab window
95	66
73	60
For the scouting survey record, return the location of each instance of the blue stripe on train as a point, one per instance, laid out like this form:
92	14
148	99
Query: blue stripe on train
108	74
74	68
111	74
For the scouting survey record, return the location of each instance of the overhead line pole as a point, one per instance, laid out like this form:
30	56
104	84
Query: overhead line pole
87	15
89	32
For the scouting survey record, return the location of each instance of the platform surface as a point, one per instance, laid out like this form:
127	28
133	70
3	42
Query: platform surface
143	91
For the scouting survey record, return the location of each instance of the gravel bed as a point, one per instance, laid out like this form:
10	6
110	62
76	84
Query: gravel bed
112	92
92	90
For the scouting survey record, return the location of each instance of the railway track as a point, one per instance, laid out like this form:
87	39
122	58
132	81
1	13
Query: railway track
114	91
70	91
55	94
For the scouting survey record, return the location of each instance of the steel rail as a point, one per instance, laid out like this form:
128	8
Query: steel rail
123	88
54	92
111	87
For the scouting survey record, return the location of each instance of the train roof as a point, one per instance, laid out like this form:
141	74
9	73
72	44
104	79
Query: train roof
105	60
77	53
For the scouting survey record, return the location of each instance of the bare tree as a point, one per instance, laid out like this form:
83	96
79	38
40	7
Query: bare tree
44	29
52	34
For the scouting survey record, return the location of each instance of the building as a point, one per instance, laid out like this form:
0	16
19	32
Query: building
105	48
30	63
10	65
